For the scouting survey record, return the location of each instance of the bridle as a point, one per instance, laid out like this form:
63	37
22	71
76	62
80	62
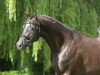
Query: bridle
26	37
37	28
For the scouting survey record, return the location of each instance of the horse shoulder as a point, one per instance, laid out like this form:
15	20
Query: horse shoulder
67	57
91	54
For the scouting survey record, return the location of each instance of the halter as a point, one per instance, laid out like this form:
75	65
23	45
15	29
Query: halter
36	28
26	37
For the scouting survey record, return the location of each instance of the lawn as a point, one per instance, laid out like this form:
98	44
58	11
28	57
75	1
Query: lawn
14	73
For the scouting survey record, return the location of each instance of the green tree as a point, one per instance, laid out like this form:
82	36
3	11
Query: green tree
82	15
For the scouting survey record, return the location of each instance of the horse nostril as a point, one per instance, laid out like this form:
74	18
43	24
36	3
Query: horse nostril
20	46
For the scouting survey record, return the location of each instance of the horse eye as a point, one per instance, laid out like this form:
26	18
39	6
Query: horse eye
32	28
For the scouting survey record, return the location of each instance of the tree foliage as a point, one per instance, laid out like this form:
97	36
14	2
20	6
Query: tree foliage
82	15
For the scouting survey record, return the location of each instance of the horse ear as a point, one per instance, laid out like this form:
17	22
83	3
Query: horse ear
27	14
35	15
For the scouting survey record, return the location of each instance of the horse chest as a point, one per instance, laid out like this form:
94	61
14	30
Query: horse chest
59	60
62	55
62	59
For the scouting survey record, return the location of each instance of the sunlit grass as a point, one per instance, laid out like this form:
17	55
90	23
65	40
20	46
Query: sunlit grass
15	73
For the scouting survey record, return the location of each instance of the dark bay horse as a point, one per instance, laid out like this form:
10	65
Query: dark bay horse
71	52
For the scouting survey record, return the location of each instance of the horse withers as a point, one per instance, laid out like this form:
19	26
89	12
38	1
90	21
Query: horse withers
71	52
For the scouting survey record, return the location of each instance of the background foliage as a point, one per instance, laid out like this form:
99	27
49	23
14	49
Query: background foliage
82	15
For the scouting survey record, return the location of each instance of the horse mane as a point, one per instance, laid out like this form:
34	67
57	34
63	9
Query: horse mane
55	20
76	34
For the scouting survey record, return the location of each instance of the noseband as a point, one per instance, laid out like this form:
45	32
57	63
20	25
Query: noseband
26	37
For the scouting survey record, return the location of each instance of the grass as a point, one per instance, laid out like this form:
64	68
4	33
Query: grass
14	73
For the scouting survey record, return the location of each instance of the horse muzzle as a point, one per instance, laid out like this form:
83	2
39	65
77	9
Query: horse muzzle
22	43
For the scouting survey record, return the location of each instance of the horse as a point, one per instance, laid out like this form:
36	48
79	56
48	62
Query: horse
72	53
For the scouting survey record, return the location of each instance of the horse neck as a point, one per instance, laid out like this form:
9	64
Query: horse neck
54	33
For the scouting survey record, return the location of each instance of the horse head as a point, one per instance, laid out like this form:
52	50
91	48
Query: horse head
30	33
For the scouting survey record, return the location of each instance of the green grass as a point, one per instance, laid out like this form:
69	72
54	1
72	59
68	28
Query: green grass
14	73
